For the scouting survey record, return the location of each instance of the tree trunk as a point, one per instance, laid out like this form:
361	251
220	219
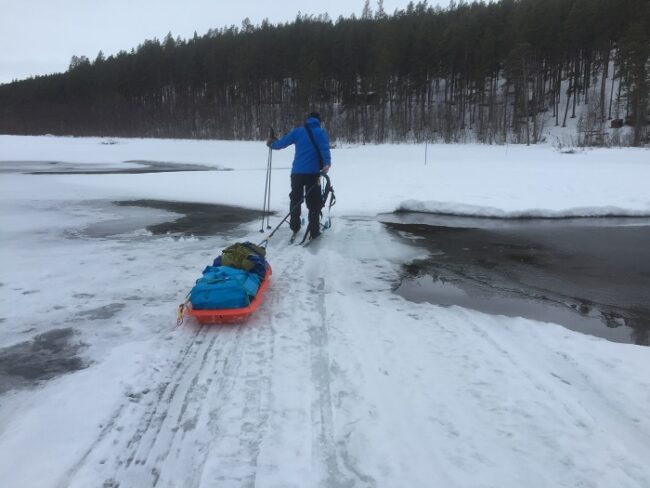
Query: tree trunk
618	95
525	90
568	99
611	93
505	114
603	84
586	79
575	87
558	92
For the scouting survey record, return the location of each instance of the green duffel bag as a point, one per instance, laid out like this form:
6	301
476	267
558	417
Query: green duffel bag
239	256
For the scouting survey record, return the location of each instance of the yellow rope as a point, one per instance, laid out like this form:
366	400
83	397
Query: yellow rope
179	320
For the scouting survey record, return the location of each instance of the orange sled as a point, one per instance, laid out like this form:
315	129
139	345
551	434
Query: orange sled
230	315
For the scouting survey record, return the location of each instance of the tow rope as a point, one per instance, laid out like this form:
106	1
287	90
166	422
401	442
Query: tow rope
327	193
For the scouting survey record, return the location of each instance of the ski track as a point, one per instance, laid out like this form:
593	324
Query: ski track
312	393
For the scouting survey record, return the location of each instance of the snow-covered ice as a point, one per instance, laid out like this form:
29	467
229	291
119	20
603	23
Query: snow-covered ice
336	381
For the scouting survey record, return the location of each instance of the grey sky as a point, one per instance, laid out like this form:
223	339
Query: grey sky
39	36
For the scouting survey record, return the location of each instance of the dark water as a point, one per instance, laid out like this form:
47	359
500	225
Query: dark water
590	275
198	219
46	356
168	218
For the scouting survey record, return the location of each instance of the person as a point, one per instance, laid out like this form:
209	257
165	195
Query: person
305	171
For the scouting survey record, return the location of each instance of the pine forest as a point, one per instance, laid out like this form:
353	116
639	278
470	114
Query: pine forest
487	72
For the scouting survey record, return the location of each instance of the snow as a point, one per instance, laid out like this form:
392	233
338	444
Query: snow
336	381
506	181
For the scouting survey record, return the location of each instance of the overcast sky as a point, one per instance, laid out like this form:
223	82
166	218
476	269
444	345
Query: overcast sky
40	36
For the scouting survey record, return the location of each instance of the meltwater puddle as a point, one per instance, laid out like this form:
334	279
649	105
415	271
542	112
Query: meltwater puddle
590	275
159	217
45	356
132	167
197	219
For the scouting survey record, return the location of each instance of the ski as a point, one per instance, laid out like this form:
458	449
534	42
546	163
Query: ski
310	240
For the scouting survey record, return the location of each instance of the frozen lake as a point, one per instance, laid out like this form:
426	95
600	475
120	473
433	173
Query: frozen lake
337	380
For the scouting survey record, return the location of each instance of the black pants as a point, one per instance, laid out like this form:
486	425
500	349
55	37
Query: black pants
308	184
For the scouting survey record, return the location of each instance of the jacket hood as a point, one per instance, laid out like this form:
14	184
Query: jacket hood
313	122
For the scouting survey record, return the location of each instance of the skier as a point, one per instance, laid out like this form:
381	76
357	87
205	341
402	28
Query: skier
312	158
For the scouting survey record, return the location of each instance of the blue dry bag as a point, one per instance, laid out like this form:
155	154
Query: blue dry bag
222	287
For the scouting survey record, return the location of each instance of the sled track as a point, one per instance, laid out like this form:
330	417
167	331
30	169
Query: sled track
163	436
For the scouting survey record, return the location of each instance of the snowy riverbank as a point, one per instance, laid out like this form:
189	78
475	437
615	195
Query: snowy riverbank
336	381
496	181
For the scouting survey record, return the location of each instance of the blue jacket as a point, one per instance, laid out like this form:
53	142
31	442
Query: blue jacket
305	160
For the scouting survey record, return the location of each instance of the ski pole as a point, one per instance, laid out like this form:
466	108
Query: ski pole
268	206
266	189
266	186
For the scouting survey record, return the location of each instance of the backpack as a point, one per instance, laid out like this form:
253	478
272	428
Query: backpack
244	255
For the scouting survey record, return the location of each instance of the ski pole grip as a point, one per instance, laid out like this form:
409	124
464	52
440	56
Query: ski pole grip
271	133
